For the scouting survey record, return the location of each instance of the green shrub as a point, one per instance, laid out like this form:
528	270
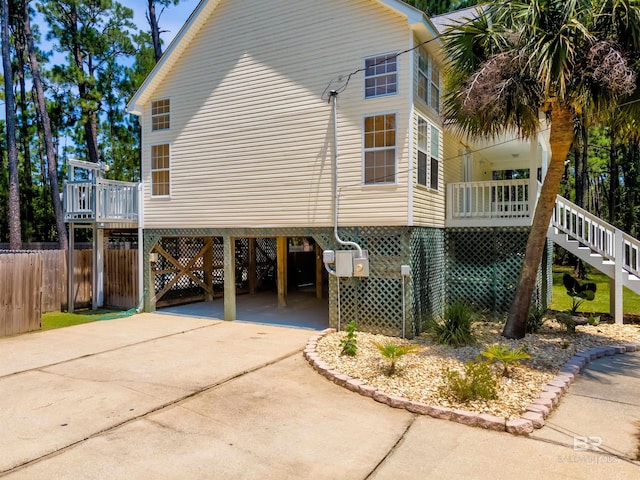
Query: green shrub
349	343
477	383
506	356
455	327
393	351
536	320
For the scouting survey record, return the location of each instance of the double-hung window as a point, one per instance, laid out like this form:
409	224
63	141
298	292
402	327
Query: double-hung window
160	115
428	154
380	149
380	76
428	80
160	178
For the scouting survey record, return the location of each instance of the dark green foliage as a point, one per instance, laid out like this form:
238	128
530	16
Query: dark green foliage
455	327
437	7
586	291
349	344
536	320
476	383
393	351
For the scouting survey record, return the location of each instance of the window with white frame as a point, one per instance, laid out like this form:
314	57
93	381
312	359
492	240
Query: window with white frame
160	178
428	154
380	149
428	87
380	76
160	114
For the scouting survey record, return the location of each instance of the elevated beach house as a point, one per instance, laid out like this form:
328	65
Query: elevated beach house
291	146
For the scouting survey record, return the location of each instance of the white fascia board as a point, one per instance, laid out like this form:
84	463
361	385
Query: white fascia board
416	19
171	55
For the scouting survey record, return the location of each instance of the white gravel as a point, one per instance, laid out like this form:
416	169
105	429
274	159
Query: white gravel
419	376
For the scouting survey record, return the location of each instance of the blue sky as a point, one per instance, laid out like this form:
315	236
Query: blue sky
171	20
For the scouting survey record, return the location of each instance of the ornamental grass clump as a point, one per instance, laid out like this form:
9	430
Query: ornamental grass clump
455	327
393	352
476	383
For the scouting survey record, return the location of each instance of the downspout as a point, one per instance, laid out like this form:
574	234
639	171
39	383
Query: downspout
333	94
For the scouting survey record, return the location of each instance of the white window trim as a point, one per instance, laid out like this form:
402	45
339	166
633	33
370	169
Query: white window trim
438	158
151	170
364	81
170	119
395	159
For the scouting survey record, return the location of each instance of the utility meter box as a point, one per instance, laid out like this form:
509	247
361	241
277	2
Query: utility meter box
361	265
344	263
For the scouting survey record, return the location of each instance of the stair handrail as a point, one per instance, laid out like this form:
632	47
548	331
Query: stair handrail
596	234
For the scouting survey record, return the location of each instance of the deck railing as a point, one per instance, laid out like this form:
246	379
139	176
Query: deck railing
490	203
596	234
102	201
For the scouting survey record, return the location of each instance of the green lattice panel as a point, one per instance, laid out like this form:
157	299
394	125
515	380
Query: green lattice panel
428	265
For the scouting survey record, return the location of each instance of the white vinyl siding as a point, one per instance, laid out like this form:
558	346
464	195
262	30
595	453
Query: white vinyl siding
251	136
381	75
160	170
160	114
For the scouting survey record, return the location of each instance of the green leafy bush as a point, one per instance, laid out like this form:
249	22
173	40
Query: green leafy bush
506	356
455	327
349	343
393	351
476	383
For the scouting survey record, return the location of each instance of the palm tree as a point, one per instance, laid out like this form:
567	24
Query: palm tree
518	65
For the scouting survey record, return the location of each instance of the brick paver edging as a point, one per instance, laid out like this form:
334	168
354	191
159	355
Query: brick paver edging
532	418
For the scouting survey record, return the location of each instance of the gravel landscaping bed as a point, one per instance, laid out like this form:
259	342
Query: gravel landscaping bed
420	376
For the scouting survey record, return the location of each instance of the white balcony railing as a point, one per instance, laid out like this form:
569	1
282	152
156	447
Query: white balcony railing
491	203
104	201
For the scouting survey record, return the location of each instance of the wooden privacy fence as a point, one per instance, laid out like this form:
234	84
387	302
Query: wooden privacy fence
34	283
20	293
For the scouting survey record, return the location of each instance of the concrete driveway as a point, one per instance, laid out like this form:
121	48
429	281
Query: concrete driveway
156	396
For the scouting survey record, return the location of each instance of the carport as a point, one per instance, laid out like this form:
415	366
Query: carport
272	280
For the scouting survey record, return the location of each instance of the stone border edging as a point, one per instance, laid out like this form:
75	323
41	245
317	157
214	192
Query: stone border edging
533	418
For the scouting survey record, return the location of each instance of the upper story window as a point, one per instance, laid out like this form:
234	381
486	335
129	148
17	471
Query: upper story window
428	154
428	80
380	76
160	115
380	149
160	179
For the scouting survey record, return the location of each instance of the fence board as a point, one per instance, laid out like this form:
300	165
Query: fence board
21	293
121	278
54	280
83	262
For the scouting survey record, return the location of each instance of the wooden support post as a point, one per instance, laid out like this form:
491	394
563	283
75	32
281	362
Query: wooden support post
207	268
615	284
71	269
97	269
319	269
229	244
282	271
253	274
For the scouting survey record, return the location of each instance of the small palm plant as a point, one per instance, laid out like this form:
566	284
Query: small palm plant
393	352
506	356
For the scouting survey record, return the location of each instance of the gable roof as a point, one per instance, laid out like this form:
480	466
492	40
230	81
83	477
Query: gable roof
416	20
444	21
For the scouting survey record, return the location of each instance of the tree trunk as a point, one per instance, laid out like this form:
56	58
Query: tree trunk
155	30
52	158
15	235
561	138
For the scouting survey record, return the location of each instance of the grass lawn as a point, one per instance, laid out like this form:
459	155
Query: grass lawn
600	304
53	320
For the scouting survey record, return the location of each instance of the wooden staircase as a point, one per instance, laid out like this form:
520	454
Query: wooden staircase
599	244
